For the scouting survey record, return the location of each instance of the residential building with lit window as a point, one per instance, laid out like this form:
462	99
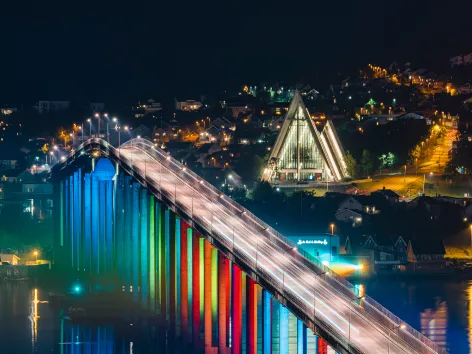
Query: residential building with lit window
188	105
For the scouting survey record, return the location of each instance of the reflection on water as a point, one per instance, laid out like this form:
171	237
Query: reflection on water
28	324
434	323
439	308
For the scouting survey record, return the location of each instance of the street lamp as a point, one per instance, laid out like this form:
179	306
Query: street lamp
90	122
36	255
98	117
404	178
332	228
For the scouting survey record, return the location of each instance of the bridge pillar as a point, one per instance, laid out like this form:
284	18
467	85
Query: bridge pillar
172	257
266	322
71	222
128	240
312	341
196	291
190	281
322	346
109	259
77	207
208	297
144	233
95	225
135	241
301	338
236	311
252	317
184	294
223	303
178	277
283	329
167	255
87	222
153	269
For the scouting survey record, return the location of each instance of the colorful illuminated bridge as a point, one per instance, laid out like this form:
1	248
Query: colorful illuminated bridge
219	277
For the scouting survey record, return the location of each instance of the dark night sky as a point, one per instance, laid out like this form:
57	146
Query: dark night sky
100	49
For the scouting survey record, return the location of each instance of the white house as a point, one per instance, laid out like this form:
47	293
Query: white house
10	259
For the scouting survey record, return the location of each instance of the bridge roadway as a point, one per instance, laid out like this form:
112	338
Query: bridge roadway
360	325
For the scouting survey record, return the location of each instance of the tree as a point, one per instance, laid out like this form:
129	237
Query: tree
45	148
350	165
367	162
263	192
387	160
415	152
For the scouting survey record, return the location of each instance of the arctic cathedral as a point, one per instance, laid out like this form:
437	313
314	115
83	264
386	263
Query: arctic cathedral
302	153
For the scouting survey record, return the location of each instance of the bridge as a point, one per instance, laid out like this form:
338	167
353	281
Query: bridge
219	277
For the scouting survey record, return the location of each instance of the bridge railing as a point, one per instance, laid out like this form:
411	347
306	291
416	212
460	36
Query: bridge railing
298	275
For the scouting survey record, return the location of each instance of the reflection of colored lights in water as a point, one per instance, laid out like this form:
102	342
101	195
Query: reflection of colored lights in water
434	323
344	268
469	315
34	317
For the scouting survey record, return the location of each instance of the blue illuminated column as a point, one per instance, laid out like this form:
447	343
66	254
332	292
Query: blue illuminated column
301	338
266	322
135	241
101	228
66	219
128	214
283	330
78	218
87	222
120	245
109	227
71	221
144	229
95	223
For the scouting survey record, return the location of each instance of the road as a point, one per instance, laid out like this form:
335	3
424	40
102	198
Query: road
253	243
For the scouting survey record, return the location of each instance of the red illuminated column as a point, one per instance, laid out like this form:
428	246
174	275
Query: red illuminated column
236	315
252	317
322	346
183	279
207	303
223	290
196	290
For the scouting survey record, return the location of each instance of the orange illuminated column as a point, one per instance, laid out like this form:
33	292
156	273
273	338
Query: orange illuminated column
183	279
322	346
252	317
207	314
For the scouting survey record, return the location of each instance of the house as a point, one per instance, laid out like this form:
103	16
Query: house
10	259
426	255
37	188
46	107
358	203
149	107
188	105
349	215
388	194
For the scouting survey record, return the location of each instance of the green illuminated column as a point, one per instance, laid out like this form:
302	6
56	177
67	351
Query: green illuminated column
144	251
152	255
177	276
135	241
190	277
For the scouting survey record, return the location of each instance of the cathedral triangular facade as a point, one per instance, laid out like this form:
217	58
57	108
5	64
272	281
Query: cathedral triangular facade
302	153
